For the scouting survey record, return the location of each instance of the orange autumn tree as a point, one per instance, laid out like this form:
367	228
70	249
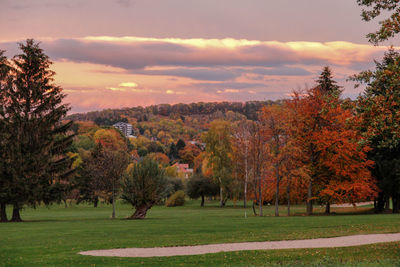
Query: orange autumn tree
274	129
110	139
332	149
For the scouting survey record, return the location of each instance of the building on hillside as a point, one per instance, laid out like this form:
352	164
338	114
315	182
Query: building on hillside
124	127
183	170
202	146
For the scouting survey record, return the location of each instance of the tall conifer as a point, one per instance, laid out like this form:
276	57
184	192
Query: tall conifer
38	138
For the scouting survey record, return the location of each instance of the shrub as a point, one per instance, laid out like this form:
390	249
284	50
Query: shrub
177	199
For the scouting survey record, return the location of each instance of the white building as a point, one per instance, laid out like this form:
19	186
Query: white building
125	128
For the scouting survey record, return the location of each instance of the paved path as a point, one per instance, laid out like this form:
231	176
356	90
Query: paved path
343	241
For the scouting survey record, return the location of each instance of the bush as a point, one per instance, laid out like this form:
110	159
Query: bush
173	185
177	199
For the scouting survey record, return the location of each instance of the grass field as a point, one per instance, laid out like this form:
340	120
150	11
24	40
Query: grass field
53	236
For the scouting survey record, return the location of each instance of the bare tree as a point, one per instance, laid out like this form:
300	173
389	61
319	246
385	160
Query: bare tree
242	154
258	157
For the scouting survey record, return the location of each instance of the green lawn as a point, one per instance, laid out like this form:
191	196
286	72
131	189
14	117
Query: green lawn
53	236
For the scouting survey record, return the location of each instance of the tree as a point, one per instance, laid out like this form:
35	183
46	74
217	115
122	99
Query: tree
143	186
4	136
332	148
379	107
189	153
110	139
274	129
106	168
326	84
180	145
200	186
173	152
161	158
36	158
218	149
241	154
258	157
390	26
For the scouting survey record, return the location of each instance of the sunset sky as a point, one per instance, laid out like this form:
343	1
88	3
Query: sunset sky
123	53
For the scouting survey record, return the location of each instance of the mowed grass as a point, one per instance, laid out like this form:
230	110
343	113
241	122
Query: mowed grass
52	236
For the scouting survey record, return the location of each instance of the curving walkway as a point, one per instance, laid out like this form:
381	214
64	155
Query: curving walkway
343	241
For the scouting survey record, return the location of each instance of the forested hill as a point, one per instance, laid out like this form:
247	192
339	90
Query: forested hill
110	116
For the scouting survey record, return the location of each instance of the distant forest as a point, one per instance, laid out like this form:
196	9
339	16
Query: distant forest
105	117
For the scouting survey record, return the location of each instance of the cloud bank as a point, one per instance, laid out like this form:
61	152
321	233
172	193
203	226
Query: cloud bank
139	70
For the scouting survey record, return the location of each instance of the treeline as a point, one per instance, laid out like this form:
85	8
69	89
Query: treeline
318	147
249	109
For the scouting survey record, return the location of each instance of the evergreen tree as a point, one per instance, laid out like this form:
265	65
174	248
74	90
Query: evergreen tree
4	177
180	145
173	152
326	84
37	164
379	107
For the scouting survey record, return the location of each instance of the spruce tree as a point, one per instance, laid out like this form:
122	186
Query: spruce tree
38	139
326	84
4	177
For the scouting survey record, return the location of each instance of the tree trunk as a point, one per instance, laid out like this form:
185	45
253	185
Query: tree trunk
96	202
255	190
3	212
387	203
113	205
16	217
380	206
141	211
328	208
277	192
309	198
396	203
288	197
245	182
221	196
202	201
260	199
254	209
113	202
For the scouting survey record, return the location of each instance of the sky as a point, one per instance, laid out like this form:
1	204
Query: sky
125	53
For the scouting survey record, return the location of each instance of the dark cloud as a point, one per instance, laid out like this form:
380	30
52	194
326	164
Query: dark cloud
204	74
212	62
279	71
239	86
141	54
